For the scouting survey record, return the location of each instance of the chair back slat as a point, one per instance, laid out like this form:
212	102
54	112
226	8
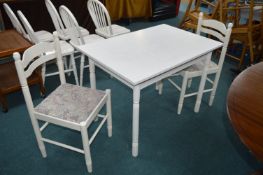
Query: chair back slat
213	33
212	27
28	27
100	16
39	61
55	18
72	25
15	22
33	52
211	23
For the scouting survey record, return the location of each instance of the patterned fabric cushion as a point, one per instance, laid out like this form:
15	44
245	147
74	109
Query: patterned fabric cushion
70	102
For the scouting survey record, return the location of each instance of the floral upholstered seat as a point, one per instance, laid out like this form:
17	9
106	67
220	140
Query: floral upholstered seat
70	102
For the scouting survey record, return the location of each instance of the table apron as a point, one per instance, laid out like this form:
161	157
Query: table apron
153	79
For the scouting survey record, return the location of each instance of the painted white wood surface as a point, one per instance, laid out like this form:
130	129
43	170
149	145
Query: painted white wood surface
144	54
144	57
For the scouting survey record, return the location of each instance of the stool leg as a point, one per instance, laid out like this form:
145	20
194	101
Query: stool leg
41	86
3	101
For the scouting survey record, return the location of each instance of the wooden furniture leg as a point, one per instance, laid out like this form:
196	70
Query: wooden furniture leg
251	51
3	102
241	61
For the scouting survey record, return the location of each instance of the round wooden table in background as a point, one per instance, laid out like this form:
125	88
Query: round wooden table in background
245	108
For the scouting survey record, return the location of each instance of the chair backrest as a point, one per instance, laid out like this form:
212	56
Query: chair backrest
242	13
100	16
72	25
218	30
56	19
209	8
15	22
30	31
33	58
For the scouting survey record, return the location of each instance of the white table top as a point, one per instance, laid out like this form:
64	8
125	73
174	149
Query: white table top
139	56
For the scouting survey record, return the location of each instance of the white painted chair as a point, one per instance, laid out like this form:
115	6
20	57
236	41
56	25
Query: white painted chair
76	37
42	35
67	50
69	106
218	30
102	21
59	26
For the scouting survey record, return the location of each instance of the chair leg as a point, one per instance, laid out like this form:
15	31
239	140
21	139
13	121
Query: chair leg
66	66
183	89
242	57
86	147
160	87
108	108
38	135
212	95
189	82
42	89
157	86
43	72
82	59
3	101
72	60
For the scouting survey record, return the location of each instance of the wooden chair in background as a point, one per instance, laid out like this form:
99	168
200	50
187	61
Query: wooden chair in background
209	9
247	30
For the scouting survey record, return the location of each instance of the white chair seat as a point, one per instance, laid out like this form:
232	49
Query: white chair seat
65	34
44	36
87	39
83	31
66	48
199	67
116	30
70	102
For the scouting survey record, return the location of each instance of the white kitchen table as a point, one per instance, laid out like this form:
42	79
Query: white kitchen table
139	59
